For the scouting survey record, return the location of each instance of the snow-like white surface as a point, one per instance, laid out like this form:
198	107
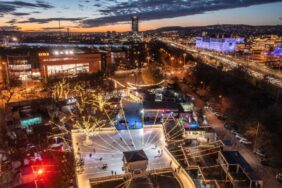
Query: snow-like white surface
109	146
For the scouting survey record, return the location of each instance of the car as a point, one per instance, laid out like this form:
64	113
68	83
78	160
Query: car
229	125
240	137
245	141
265	162
260	153
217	114
233	131
279	177
222	117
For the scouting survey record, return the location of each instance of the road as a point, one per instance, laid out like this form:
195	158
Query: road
274	77
266	173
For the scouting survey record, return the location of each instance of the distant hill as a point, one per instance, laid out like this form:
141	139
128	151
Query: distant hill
225	28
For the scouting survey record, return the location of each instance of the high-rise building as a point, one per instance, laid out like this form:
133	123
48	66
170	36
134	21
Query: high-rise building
135	28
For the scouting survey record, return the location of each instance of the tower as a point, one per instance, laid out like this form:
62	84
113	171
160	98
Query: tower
135	28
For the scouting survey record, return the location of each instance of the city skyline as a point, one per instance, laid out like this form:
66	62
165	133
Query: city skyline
115	15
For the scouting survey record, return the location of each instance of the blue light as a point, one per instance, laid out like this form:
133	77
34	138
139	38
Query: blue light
191	125
277	51
218	44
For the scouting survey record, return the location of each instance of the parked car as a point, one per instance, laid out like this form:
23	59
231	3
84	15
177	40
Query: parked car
222	117
234	132
260	153
279	177
230	125
265	162
240	137
217	114
245	141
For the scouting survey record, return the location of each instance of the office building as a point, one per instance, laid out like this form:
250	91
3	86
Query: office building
135	27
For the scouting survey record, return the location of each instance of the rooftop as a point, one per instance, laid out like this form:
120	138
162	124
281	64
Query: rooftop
133	156
160	106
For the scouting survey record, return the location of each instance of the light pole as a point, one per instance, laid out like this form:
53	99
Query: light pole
257	131
172	59
148	59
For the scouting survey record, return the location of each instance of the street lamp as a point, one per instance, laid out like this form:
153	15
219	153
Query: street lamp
148	59
184	57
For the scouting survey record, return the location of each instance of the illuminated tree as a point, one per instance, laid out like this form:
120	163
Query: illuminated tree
61	90
100	101
89	125
6	95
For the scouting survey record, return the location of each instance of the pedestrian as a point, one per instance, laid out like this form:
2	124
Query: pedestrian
112	173
115	173
90	155
101	158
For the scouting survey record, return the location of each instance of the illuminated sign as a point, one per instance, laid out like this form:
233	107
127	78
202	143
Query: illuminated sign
31	121
43	54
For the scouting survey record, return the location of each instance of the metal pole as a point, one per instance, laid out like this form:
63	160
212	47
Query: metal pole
256	135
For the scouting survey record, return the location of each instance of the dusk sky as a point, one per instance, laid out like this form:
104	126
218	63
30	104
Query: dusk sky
109	15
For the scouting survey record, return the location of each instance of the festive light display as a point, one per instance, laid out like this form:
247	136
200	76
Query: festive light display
277	51
218	44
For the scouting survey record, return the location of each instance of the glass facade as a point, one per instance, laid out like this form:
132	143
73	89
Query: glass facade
69	69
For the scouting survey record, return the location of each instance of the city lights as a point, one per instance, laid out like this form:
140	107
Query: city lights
163	94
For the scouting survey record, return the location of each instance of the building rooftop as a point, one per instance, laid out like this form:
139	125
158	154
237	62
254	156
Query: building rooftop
234	157
160	106
133	156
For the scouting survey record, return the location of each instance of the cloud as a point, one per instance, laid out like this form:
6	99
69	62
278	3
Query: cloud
20	14
161	9
53	28
12	6
12	21
47	20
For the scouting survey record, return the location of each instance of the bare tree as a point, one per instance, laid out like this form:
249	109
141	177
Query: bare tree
61	90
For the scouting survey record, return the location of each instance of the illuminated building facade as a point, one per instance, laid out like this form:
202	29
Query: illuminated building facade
66	63
277	51
218	44
19	68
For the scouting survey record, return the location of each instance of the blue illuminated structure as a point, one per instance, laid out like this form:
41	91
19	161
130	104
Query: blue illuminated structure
132	118
277	51
218	44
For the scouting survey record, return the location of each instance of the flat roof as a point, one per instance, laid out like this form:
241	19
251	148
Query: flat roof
234	157
160	106
133	156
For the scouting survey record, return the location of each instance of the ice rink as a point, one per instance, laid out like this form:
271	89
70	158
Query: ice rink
107	147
